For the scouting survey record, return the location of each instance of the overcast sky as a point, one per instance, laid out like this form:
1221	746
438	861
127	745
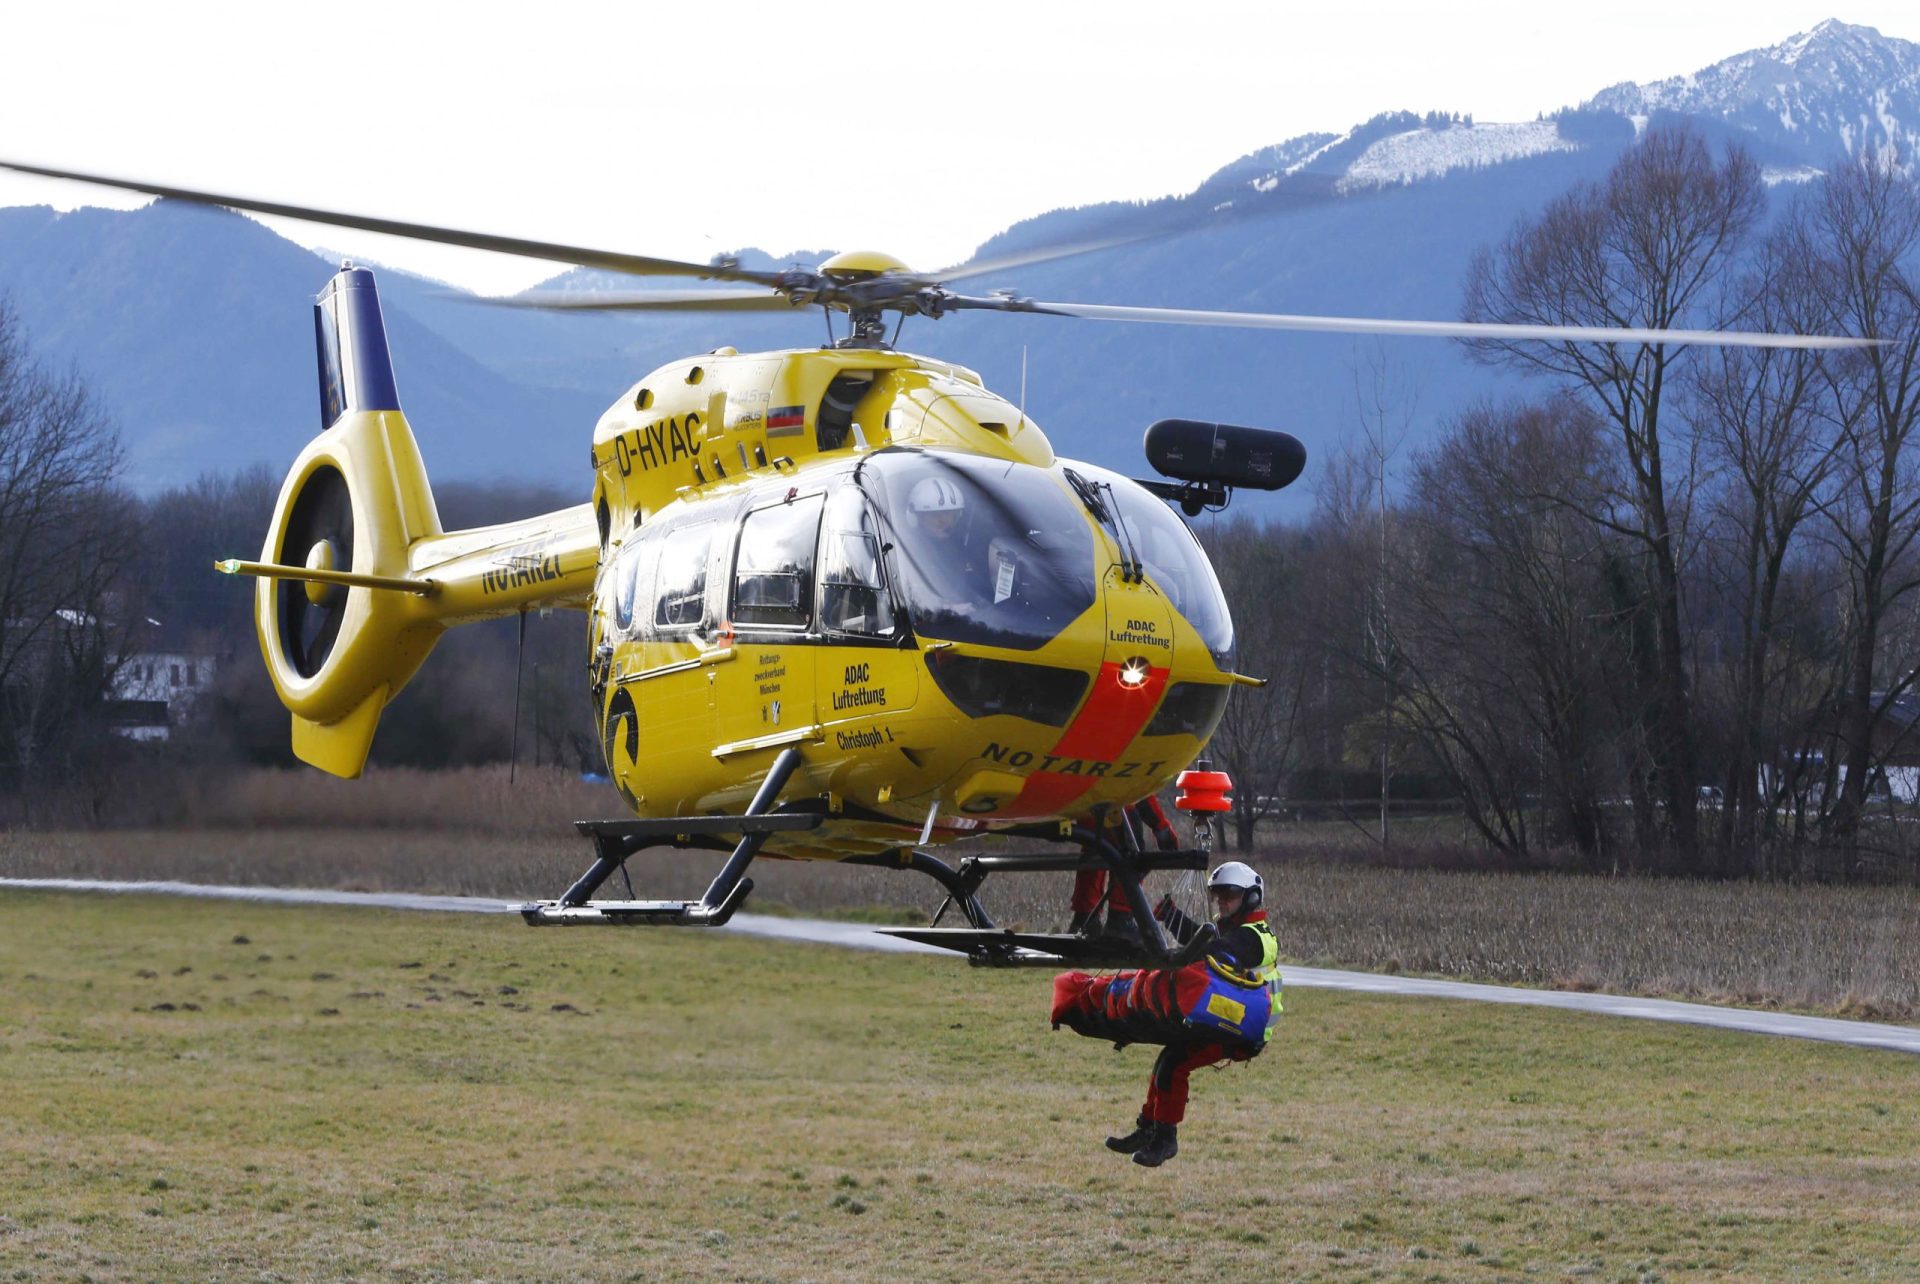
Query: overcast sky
683	130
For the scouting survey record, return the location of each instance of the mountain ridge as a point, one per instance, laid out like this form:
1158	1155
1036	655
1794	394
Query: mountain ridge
194	325
1792	93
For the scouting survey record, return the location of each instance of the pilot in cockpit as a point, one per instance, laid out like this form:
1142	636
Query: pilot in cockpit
938	507
940	514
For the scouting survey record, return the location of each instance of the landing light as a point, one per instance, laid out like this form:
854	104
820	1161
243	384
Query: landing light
1133	673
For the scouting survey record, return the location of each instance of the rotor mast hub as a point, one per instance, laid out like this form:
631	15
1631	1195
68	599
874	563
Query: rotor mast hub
867	283
862	265
866	328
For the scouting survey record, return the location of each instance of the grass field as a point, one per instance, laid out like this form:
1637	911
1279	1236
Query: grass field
196	1090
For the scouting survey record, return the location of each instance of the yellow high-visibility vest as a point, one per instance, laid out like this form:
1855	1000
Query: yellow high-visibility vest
1265	974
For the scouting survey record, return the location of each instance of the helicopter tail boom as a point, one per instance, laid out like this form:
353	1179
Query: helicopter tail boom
358	579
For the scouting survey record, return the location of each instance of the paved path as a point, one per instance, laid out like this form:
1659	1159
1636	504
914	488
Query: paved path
1866	1034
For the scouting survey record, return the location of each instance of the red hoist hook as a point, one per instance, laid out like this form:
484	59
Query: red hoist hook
1204	791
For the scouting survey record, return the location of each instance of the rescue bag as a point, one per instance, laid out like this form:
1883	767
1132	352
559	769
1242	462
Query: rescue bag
1235	1011
1176	1006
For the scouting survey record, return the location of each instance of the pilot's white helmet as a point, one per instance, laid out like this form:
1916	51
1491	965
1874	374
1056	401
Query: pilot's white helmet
935	495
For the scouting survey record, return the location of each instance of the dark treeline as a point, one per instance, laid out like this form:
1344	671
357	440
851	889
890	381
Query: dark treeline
458	711
1658	614
99	586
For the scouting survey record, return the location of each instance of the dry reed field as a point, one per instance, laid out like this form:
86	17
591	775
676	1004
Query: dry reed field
202	1090
1846	950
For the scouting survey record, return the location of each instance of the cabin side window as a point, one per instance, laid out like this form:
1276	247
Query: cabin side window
853	593
633	576
680	585
620	585
773	572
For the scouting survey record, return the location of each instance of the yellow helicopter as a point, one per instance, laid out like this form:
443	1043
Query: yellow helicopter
843	603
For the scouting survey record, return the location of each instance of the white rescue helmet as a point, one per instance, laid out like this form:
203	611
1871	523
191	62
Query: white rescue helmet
935	495
1236	876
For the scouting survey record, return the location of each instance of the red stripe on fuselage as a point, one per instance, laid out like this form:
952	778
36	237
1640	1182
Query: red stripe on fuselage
1107	723
1112	716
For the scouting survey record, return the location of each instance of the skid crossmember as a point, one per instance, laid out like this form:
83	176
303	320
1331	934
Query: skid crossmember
983	942
986	945
615	840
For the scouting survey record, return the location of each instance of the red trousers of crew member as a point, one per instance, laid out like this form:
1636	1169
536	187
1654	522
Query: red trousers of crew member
1089	885
1167	1089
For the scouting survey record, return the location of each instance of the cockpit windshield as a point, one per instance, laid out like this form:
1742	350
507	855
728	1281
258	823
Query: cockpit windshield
983	550
1172	559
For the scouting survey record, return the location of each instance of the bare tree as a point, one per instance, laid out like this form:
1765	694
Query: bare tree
1346	689
1643	248
1507	648
65	532
188	529
1858	233
1386	402
1758	416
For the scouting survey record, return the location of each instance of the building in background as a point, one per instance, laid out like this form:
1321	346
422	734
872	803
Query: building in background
154	688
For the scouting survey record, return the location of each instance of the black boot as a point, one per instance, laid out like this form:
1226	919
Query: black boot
1120	927
1131	1143
1085	923
1164	1145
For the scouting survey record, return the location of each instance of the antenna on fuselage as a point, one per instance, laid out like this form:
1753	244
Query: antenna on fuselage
519	662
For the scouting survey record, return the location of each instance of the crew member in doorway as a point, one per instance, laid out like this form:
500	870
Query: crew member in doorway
1090	885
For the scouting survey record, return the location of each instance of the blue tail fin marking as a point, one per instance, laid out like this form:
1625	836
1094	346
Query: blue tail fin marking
356	370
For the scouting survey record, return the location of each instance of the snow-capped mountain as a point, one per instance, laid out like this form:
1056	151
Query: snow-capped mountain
1417	154
1393	148
1835	90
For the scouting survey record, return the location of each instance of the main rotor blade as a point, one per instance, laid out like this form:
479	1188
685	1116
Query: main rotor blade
1428	329
644	301
578	256
1031	258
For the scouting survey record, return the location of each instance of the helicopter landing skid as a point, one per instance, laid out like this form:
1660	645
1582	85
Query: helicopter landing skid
615	840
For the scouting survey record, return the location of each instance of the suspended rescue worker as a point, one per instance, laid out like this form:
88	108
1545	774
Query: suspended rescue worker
1220	1008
